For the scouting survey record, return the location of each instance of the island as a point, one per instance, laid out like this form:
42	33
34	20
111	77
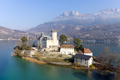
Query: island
51	50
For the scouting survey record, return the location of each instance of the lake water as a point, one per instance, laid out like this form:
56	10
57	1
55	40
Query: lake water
14	68
99	48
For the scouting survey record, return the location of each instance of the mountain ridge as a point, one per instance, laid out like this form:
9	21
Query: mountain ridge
75	24
79	25
104	16
9	34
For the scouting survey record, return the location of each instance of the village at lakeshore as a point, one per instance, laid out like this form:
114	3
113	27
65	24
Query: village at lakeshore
50	50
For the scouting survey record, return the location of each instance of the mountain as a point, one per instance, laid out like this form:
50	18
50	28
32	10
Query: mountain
106	16
102	31
10	34
104	24
95	31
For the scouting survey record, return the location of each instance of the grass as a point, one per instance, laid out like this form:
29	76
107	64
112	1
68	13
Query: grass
52	58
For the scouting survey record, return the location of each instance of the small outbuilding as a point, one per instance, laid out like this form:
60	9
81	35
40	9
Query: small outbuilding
83	60
67	49
87	51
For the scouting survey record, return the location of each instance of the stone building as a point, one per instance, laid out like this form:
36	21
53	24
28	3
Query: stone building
83	60
48	43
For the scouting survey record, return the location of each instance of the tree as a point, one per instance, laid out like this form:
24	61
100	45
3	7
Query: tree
108	60
17	51
117	74
99	58
106	52
24	47
78	45
108	57
24	39
17	48
81	47
24	43
63	38
112	59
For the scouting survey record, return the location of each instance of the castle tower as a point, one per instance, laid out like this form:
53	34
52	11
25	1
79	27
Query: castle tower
54	34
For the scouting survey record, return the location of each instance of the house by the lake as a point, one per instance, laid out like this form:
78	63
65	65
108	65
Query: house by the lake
48	43
83	60
67	49
87	51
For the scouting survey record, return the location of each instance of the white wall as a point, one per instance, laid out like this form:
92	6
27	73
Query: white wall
84	62
52	43
67	51
90	61
89	54
54	35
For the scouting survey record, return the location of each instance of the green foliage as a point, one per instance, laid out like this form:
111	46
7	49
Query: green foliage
24	47
17	48
77	41
81	47
78	45
69	60
24	39
92	65
18	53
63	38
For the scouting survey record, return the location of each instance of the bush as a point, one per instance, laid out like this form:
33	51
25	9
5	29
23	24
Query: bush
18	53
92	65
24	47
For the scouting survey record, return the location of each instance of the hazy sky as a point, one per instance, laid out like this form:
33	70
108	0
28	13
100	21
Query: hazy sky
24	14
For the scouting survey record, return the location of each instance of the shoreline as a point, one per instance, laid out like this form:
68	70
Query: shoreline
34	60
57	63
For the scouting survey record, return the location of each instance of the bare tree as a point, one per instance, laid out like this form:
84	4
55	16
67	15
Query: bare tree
107	60
112	59
106	53
117	74
99	58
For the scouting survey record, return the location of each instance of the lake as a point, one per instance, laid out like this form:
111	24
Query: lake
14	68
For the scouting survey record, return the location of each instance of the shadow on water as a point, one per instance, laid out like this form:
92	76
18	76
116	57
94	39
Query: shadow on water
92	75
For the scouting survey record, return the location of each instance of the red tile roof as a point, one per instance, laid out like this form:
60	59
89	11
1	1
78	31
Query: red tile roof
67	46
86	50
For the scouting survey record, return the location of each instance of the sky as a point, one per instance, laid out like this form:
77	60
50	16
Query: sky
26	14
